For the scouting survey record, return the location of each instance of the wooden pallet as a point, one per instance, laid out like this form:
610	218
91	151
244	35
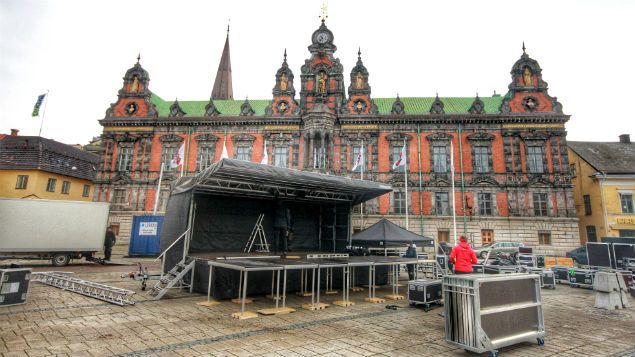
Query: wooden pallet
245	315
313	307
239	301
357	289
394	297
330	292
375	300
276	311
305	294
208	303
343	303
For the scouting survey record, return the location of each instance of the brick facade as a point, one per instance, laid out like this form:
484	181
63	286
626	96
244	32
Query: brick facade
510	155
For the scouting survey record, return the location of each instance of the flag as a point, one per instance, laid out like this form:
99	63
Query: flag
360	159
265	157
38	104
402	158
178	157
223	154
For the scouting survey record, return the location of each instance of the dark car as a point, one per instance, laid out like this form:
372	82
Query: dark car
579	256
496	247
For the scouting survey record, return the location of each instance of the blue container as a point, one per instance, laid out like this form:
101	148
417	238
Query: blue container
145	236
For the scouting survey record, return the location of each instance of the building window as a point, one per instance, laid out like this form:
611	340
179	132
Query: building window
487	236
626	233
204	158
443	236
573	170
167	156
396	153
540	204
86	191
22	182
439	159
626	201
66	187
362	164
590	234
119	196
481	159
280	156
534	159
441	203
50	185
485	204
587	205
399	202
544	237
125	159
243	153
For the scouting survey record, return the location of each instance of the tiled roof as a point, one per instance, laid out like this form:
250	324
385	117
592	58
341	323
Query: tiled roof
37	153
413	105
608	158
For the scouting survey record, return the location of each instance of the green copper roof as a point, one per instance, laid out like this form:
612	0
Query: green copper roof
412	105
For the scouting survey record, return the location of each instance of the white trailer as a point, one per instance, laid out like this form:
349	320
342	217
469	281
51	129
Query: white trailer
49	229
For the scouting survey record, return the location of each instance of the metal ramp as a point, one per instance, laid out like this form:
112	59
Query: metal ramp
431	270
259	233
103	292
173	279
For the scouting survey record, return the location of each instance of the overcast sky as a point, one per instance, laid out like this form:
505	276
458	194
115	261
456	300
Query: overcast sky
80	50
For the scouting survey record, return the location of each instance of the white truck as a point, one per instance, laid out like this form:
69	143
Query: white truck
50	229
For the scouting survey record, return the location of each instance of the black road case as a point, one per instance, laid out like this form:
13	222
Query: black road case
423	291
582	278
561	274
14	285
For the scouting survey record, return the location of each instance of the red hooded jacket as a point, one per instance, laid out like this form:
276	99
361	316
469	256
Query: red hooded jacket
463	257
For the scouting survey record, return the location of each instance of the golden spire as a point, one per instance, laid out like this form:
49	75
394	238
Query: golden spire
324	15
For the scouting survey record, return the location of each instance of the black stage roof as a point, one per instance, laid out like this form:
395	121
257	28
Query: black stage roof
248	179
387	234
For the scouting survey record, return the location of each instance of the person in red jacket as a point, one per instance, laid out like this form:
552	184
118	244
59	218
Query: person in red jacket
463	257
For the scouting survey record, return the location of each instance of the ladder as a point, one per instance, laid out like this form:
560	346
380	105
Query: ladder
103	292
173	277
257	232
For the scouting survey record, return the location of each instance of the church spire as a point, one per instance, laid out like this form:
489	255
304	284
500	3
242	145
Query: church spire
223	82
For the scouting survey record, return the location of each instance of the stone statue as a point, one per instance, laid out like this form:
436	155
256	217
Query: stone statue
321	87
359	81
527	77
284	81
134	88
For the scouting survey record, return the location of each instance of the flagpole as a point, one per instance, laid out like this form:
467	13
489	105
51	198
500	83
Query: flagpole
156	198
46	98
453	193
361	207
405	176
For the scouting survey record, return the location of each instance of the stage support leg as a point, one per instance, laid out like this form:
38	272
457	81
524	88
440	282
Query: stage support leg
209	301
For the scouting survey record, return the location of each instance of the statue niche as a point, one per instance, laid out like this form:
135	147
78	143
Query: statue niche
321	83
527	82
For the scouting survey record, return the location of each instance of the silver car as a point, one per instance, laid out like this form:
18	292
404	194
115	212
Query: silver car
507	247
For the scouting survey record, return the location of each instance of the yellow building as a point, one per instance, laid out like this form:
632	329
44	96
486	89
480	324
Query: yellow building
36	167
603	175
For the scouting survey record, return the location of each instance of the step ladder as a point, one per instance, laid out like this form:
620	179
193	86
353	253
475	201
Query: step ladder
259	233
173	279
103	292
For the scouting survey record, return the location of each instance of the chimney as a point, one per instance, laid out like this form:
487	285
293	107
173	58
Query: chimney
14	132
624	138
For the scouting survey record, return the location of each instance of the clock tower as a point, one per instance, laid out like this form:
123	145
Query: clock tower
322	96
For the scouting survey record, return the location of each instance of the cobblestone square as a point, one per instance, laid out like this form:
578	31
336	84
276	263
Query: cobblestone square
62	323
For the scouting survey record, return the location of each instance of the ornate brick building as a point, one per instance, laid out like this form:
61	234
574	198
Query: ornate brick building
510	152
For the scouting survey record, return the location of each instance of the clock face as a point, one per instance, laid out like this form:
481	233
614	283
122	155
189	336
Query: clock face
322	37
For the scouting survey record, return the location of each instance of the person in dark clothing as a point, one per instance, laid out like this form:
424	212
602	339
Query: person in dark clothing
283	228
463	257
109	242
411	252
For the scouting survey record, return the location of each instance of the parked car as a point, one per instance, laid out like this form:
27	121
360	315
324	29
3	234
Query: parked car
508	247
579	256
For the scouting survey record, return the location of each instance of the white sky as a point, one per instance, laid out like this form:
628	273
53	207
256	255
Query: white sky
80	50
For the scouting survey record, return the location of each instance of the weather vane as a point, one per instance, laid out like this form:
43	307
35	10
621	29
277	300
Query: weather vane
324	9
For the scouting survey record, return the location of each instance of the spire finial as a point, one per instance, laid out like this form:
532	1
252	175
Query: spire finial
359	53
285	54
324	11
523	47
228	21
139	58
